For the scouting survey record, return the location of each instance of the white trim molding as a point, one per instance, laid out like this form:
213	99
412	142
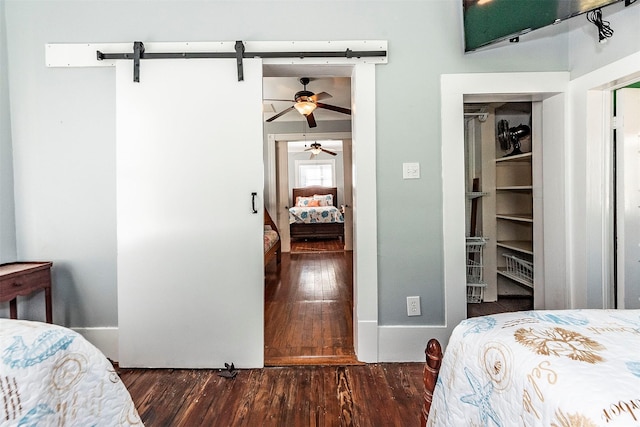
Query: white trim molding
456	89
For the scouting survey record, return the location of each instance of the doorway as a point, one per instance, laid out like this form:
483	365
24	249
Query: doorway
458	89
365	278
626	224
309	299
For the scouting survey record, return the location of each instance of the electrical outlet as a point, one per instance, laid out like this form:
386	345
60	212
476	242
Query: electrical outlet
413	306
410	170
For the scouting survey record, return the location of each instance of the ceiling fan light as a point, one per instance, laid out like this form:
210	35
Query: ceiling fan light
316	151
305	107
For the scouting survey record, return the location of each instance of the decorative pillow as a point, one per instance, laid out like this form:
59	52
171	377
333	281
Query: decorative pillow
303	201
325	199
313	203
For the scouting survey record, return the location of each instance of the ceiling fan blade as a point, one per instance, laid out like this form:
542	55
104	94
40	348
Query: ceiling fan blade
329	152
281	113
321	95
333	108
313	155
283	100
311	121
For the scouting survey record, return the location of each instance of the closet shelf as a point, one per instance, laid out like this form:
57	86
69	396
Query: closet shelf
523	246
503	272
516	217
515	188
476	194
524	157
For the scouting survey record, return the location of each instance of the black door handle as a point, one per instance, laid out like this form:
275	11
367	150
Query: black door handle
253	202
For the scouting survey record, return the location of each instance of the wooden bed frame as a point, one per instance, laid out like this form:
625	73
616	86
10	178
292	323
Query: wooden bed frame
334	229
433	354
275	250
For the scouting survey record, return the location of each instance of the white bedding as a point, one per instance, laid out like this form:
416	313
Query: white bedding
52	376
541	368
315	215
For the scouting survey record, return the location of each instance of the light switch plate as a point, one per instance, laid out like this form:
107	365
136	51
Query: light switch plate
410	170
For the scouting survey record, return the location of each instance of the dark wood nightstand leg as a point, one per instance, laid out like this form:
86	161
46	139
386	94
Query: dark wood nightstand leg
13	308
47	303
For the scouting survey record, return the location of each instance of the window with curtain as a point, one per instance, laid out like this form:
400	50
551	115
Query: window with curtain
315	172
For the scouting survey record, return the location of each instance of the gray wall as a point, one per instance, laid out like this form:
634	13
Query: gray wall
64	128
7	218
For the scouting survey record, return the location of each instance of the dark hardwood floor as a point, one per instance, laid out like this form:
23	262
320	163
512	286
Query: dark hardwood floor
503	305
309	309
308	321
386	394
316	245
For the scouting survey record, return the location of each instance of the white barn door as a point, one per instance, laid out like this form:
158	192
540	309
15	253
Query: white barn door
190	260
628	197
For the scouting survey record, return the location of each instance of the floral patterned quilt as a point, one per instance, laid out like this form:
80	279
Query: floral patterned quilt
541	368
270	238
52	376
320	214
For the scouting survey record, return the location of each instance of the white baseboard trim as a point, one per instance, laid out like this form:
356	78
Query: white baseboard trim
407	343
104	338
366	344
395	343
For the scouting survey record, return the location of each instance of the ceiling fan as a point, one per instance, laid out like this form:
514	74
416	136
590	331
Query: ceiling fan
316	148
305	102
510	137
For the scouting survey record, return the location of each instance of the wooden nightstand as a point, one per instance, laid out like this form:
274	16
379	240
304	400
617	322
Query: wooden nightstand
25	278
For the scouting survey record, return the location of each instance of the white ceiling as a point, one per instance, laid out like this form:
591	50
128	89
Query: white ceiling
284	88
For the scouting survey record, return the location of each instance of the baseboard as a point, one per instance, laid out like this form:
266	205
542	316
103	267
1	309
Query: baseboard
395	343
105	339
366	340
407	343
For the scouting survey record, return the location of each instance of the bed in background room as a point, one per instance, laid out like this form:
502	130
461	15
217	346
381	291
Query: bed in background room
315	213
272	245
52	376
559	368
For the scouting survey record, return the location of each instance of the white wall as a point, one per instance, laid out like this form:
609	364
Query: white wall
63	129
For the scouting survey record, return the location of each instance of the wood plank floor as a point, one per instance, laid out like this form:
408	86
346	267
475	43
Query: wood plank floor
309	309
387	394
316	245
308	321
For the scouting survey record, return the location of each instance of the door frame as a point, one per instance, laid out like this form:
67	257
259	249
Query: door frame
591	123
624	188
364	203
272	172
456	89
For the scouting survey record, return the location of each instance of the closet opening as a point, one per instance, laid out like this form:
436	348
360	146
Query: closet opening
502	223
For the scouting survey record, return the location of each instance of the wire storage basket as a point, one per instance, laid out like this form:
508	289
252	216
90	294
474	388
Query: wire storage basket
475	292
475	267
519	268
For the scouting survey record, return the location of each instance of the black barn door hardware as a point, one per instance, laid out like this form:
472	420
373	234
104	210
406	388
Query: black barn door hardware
253	203
139	54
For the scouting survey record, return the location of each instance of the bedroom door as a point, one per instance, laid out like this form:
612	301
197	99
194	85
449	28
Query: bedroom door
628	197
189	241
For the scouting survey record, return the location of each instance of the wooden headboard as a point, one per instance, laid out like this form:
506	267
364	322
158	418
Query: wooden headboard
314	189
268	220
